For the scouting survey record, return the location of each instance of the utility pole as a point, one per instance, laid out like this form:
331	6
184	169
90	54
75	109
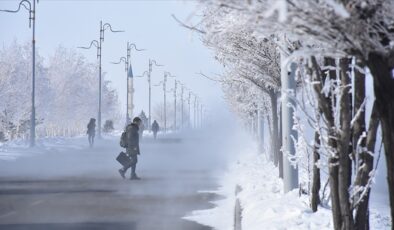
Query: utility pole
30	5
99	45
130	80
290	171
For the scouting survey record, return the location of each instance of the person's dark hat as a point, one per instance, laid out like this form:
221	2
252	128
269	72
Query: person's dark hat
137	119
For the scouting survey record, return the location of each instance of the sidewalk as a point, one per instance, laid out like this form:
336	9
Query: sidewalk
264	206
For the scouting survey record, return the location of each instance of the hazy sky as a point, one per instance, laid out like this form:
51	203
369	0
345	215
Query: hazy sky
73	23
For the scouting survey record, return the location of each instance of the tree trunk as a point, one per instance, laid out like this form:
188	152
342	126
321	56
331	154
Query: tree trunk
366	166
384	93
362	159
326	108
343	146
315	199
280	143
275	129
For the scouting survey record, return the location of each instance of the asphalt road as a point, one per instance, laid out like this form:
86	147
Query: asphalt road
74	187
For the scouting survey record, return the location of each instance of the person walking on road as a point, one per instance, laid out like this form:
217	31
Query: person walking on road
155	128
132	148
91	131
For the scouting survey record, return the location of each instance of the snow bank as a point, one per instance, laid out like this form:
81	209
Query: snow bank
14	149
264	205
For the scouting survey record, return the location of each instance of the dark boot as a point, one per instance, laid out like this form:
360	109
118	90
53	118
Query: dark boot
135	177
122	172
133	174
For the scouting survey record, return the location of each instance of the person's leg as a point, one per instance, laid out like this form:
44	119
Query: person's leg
90	140
123	170
134	176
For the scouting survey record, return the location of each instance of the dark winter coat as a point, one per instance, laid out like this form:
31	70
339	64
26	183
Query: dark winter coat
133	145
155	127
91	128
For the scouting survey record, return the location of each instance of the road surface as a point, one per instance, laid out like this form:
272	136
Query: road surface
70	186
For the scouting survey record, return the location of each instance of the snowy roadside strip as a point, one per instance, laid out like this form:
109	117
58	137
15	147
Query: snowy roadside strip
263	203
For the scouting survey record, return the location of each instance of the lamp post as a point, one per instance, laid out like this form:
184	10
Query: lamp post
164	83
182	114
148	73
30	5
175	88
129	77
194	111
201	115
98	45
188	102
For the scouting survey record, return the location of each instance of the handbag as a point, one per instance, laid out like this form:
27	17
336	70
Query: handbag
124	160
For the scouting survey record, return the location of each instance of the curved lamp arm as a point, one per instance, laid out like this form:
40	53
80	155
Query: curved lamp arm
108	26
154	62
132	45
92	43
122	59
22	3
143	74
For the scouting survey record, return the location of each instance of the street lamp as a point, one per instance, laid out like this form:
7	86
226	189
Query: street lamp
130	83
182	114
188	102
30	5
175	87
194	111
164	83
148	73
201	115
98	45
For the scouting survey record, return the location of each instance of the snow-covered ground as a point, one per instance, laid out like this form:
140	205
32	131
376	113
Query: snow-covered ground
14	149
20	148
265	206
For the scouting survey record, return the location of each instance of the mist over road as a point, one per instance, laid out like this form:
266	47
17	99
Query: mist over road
75	187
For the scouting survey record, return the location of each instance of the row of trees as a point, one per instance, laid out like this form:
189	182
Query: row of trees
66	96
336	45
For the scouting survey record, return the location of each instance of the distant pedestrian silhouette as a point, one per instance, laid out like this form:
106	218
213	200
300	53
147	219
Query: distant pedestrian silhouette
155	128
91	131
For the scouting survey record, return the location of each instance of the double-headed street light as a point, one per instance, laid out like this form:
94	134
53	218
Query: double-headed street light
195	111
189	102
148	73
175	88
164	84
130	83
98	45
30	5
182	113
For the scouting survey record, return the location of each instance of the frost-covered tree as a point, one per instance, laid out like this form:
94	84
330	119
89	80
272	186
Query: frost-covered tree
363	29
66	92
330	31
15	88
